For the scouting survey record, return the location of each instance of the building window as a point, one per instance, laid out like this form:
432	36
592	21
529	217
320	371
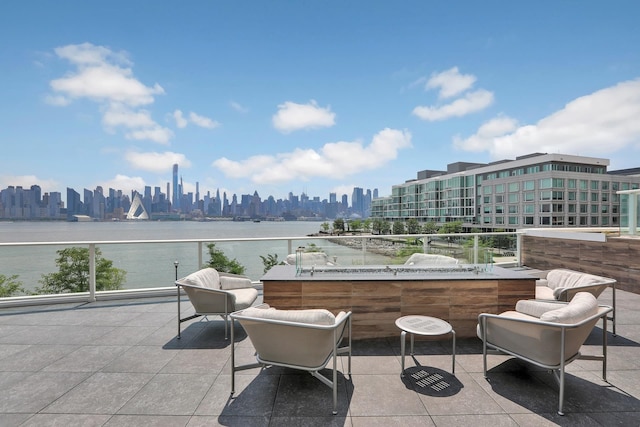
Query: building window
584	208
571	220
571	208
513	209
557	207
514	187
594	220
558	183
529	197
605	185
528	185
595	209
595	185
487	199
499	220
545	195
595	197
545	207
545	220
571	183
513	220
545	183
513	198
605	220
487	189
584	196
528	220
499	209
529	209
583	221
557	220
571	195
499	188
558	195
499	198
584	184
605	197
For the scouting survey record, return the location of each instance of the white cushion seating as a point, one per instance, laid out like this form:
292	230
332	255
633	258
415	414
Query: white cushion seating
430	259
309	259
317	316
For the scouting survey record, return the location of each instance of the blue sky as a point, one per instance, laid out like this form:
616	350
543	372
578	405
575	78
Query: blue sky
308	96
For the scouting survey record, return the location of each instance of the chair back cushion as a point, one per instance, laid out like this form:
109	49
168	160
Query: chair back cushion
309	316
430	259
561	278
205	278
309	259
582	306
233	281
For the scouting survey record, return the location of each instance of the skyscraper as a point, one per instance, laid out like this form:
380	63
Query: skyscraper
176	193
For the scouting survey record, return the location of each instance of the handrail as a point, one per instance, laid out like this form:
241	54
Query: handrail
93	294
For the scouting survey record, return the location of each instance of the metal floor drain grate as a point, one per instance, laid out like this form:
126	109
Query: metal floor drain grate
434	381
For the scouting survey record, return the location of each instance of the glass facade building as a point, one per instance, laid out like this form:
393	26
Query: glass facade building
536	190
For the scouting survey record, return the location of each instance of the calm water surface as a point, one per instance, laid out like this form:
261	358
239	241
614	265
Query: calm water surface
152	265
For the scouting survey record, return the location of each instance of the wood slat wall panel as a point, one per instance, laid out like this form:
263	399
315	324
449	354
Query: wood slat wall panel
617	258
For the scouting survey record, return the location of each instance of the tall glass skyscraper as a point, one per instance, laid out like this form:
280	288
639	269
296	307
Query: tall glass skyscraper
176	193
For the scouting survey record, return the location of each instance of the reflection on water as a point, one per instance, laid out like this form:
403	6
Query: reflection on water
152	265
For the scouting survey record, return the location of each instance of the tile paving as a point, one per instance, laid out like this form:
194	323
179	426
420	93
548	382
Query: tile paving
118	363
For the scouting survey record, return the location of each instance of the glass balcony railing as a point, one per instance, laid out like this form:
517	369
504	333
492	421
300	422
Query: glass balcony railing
151	266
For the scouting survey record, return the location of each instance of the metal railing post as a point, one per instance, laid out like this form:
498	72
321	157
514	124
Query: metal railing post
476	239
199	255
519	249
92	272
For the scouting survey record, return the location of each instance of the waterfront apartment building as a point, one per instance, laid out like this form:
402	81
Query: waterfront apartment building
536	190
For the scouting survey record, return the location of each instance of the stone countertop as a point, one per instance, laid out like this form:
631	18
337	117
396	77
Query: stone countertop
393	272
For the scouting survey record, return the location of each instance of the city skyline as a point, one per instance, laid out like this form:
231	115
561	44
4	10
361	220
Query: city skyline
313	98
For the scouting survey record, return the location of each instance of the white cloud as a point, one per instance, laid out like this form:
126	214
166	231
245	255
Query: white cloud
118	115
194	118
181	122
125	183
202	121
334	160
156	162
26	181
450	82
105	77
594	124
239	108
157	134
291	117
471	103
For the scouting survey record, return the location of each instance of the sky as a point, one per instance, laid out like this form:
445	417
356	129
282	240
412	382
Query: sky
308	96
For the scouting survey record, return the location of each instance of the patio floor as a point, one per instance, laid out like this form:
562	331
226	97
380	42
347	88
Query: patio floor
117	363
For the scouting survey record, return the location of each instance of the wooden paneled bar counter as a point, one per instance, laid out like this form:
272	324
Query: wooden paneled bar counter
378	295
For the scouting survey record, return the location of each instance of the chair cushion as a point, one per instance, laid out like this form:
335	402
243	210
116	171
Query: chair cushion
429	259
536	308
228	282
582	306
205	278
309	316
244	298
561	278
543	292
309	258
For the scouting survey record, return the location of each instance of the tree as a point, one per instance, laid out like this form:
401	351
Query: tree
73	273
430	228
338	225
366	225
219	261
325	227
413	227
269	261
10	286
398	227
377	225
355	225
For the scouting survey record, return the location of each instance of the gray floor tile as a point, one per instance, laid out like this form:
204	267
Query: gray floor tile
87	359
35	357
254	396
150	359
64	420
102	393
475	420
383	395
397	421
148	421
37	391
169	394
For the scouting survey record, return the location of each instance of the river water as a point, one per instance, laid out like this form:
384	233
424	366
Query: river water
152	265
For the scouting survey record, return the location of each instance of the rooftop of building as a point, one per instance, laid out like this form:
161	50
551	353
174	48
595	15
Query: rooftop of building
115	363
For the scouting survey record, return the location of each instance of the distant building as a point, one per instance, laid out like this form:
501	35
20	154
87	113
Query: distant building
536	190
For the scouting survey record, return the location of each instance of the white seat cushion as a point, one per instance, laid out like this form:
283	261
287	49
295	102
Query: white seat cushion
582	306
310	316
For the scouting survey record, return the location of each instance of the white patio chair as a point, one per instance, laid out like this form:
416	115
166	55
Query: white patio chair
546	334
297	339
215	293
